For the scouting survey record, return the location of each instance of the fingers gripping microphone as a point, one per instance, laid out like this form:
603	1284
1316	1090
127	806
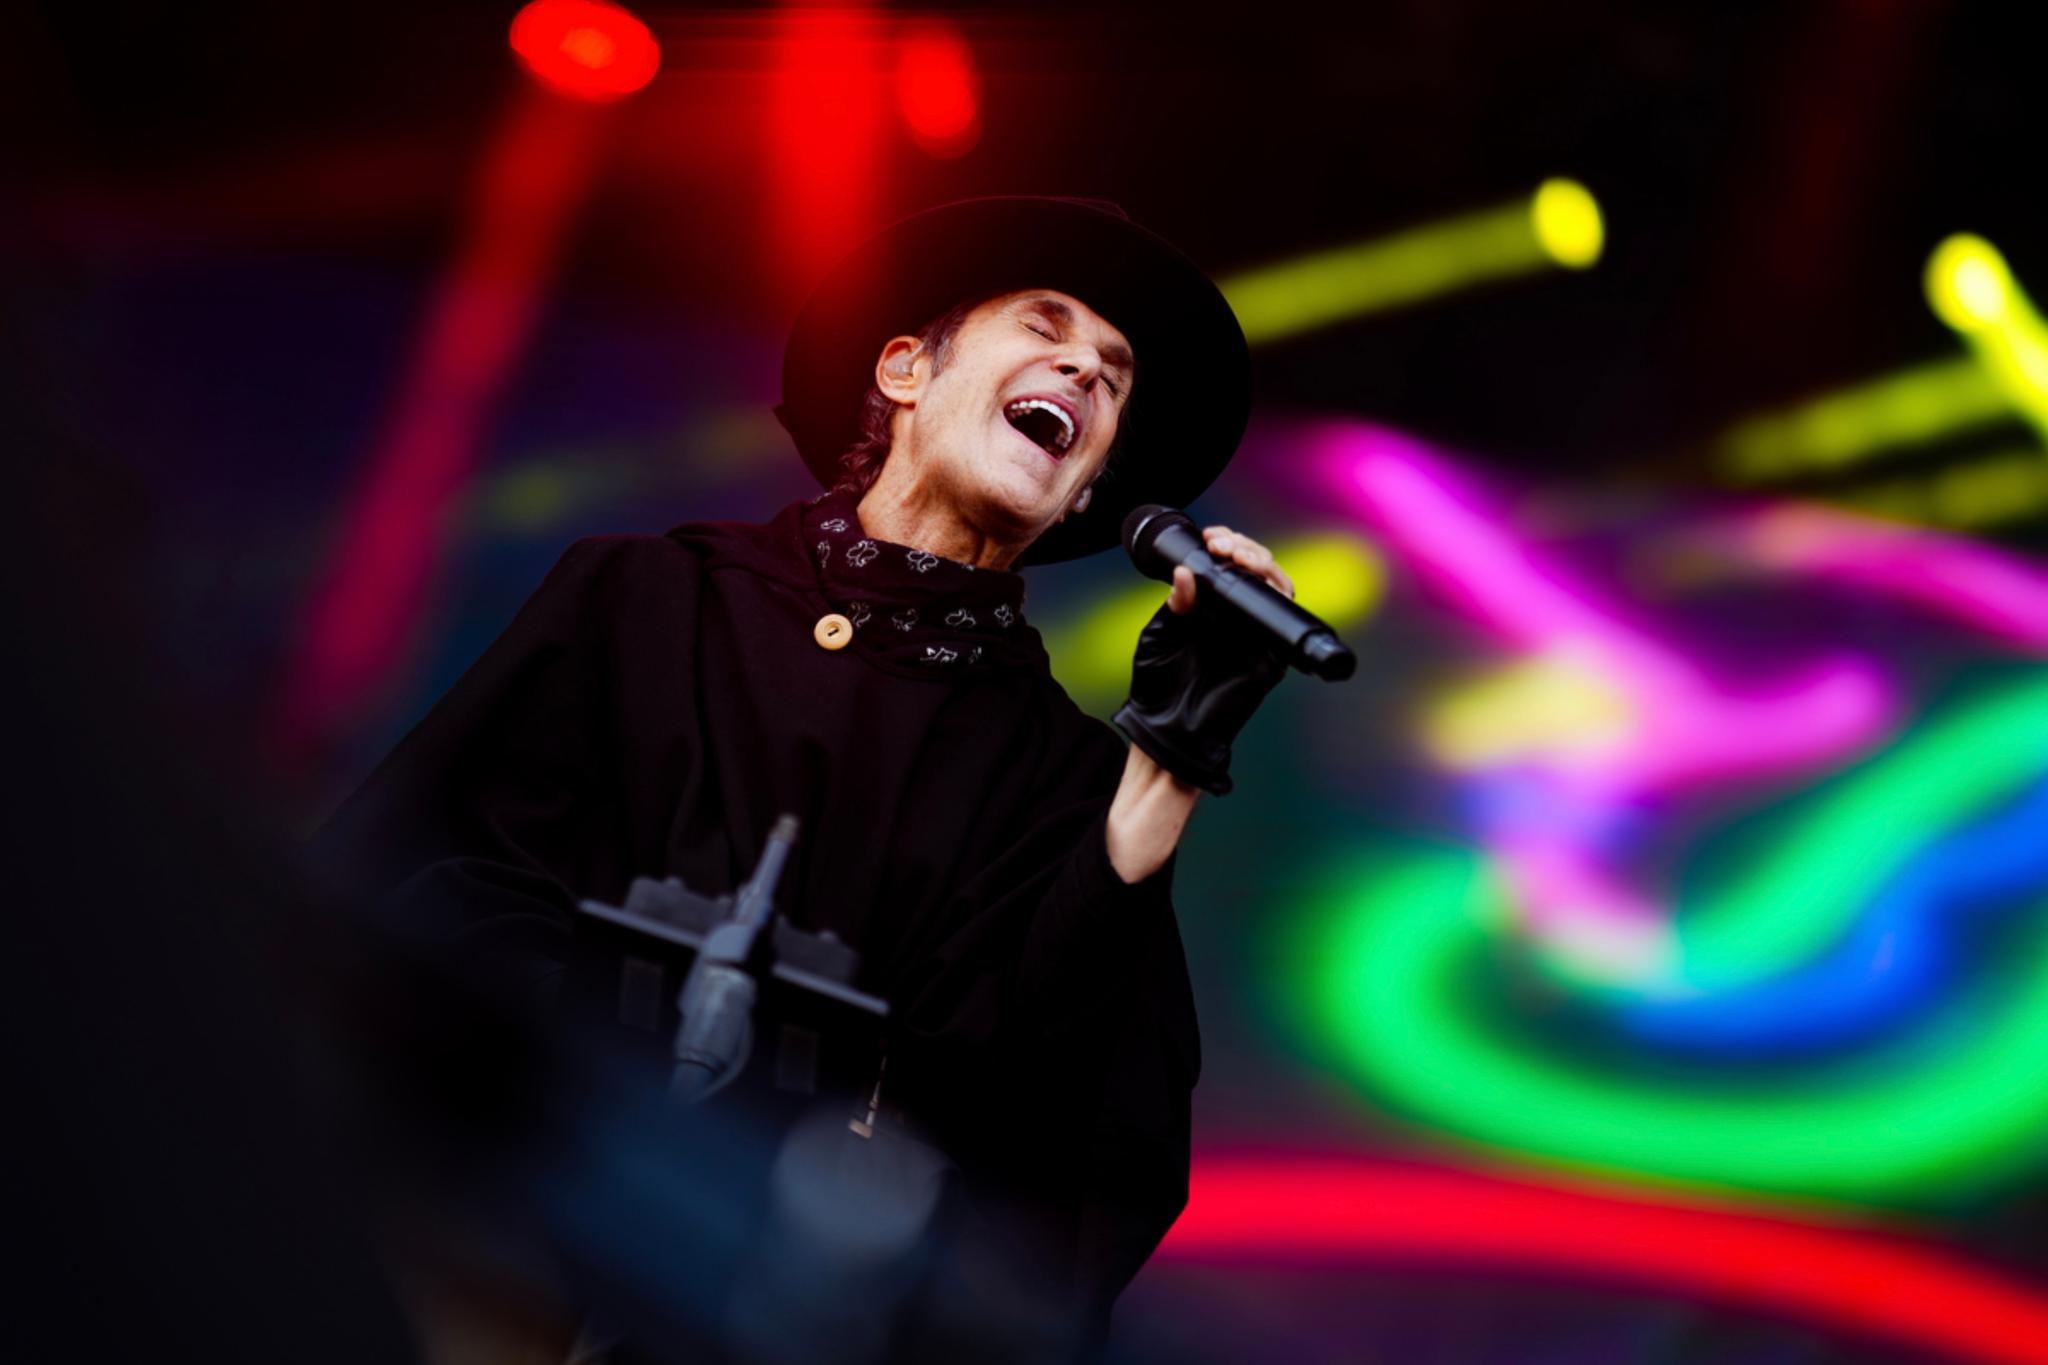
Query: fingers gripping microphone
1160	539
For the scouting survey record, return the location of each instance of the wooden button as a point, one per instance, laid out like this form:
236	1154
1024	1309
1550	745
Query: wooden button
833	631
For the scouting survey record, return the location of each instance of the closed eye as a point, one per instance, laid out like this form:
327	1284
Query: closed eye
1115	389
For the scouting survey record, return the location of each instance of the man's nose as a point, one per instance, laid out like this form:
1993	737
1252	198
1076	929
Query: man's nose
1082	365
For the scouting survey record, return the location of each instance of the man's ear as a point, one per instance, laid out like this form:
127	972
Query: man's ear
897	373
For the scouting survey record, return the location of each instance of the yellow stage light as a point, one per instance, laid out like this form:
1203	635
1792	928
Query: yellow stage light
1972	495
1568	223
1969	283
1973	290
1556	707
1881	416
1559	225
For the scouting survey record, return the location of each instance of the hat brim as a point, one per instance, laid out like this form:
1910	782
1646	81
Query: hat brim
1191	394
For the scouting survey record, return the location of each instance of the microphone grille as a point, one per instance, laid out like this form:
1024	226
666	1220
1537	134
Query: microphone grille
1143	526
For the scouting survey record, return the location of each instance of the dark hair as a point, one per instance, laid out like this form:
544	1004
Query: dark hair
862	463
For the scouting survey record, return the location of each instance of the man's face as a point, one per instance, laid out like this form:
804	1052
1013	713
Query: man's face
1022	417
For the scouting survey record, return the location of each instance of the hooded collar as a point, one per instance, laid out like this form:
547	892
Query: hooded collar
911	606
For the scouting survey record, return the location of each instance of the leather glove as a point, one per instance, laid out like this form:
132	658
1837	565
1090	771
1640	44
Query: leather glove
1195	681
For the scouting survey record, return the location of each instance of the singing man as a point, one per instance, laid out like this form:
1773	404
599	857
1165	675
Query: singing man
990	384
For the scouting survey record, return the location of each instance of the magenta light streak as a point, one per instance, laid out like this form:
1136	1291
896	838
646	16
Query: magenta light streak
1465	556
1693	734
1680	730
1685	730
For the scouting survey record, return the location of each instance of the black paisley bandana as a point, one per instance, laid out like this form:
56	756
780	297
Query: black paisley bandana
912	606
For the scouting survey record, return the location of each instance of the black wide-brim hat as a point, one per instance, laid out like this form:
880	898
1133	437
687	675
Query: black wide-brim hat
1190	395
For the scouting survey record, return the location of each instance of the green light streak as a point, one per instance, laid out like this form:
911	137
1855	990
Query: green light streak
1806	891
1388	971
1559	225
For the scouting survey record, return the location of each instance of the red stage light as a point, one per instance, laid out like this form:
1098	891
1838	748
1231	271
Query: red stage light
827	112
937	90
1304	1210
585	48
364	610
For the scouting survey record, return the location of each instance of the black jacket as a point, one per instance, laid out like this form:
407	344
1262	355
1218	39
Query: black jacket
660	700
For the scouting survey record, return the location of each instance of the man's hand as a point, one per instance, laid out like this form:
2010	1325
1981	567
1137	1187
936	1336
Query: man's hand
1152	806
1230	547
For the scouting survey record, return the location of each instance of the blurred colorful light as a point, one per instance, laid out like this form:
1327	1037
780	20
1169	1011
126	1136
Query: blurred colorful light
1680	729
2000	594
1969	283
1568	223
1306	1210
1339	577
586	49
1850	916
1973	290
828	107
1881	417
1906	944
1559	225
1833	856
1550	703
1595	716
1973	494
1386	977
937	89
365	602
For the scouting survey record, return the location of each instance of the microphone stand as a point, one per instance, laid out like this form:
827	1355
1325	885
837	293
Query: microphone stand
738	943
740	947
717	1031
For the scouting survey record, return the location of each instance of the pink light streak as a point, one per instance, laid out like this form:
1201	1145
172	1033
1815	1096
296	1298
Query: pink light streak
1468	559
1569	896
1686	729
1972	583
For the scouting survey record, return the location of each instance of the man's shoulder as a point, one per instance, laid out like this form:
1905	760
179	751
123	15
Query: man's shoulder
595	566
768	547
772	547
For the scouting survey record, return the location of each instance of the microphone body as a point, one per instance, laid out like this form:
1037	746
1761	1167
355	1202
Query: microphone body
1160	539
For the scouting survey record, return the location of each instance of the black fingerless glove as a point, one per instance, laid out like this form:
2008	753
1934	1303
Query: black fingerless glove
1195	681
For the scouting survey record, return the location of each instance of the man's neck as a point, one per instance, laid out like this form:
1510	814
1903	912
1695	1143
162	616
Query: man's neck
901	510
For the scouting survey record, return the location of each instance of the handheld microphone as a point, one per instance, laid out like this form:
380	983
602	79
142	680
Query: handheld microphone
1159	539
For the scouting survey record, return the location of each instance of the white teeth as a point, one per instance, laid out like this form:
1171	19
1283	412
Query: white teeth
1066	422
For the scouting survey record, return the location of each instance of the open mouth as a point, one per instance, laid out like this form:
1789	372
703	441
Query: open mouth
1044	423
